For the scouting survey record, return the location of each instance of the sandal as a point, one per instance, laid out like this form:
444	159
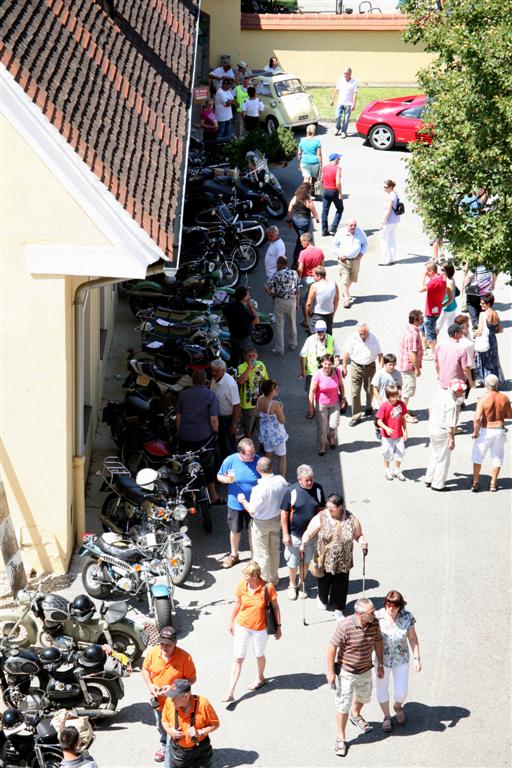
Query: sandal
340	747
360	723
475	488
230	561
387	725
400	716
493	487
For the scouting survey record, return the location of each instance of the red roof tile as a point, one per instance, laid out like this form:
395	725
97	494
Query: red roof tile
117	88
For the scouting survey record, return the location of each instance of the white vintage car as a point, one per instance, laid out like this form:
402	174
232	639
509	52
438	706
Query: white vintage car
285	100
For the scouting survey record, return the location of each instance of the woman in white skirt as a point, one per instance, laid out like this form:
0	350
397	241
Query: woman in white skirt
390	221
397	628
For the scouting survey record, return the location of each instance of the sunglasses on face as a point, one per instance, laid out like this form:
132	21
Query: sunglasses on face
393	603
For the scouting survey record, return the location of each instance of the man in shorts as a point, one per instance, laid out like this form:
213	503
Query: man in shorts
410	357
349	666
301	502
239	473
435	287
492	409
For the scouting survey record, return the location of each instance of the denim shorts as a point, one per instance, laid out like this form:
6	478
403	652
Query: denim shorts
428	328
292	553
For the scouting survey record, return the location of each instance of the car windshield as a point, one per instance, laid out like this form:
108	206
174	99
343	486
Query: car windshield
285	87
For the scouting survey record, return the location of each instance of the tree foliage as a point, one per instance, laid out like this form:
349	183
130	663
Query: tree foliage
470	116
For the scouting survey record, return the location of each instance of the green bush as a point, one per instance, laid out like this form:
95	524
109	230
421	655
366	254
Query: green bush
277	147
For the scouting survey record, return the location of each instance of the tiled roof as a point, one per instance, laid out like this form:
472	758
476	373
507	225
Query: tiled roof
117	87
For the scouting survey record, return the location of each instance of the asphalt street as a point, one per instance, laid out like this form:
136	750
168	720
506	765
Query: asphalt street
449	554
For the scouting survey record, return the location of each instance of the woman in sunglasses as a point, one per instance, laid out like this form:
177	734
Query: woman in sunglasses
397	628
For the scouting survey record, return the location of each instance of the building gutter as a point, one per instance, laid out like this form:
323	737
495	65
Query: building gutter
79	299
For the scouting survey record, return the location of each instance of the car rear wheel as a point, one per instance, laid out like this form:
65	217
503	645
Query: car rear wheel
272	125
382	137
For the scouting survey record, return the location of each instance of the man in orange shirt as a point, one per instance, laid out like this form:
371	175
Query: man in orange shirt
188	720
165	663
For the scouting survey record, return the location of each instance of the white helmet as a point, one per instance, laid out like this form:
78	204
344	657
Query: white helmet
146	478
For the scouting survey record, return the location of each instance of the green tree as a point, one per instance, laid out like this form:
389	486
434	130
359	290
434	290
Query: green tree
469	83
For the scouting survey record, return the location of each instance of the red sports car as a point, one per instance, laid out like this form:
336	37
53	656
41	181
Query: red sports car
393	121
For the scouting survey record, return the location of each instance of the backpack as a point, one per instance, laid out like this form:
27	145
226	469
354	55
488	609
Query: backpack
399	209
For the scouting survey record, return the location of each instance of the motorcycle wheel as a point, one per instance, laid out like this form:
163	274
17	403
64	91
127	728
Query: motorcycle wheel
110	510
163	612
20	637
262	334
183	557
102	697
142	303
206	516
91	580
229	274
49	761
246	256
124	644
277	207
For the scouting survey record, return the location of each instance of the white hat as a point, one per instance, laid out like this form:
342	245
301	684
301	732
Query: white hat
320	325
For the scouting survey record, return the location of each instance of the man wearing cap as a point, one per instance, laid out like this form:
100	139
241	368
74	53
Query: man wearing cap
362	348
188	720
492	409
346	88
331	193
349	245
242	71
442	425
316	346
163	664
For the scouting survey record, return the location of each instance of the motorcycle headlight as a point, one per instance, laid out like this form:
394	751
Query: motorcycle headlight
157	568
194	468
180	512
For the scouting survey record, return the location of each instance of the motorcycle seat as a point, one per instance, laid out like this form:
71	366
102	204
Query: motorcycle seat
135	403
220	189
127	487
124	549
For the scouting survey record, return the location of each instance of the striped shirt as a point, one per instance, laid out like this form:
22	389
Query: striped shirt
355	644
410	342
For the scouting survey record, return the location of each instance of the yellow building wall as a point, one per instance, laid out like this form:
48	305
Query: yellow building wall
37	355
224	29
320	56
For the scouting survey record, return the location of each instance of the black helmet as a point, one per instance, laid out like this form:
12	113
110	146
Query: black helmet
13	720
82	608
51	657
93	656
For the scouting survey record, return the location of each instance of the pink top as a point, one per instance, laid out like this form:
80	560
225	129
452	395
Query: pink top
327	391
452	358
208	117
310	258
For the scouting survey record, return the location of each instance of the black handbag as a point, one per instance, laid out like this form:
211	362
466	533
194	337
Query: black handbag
270	616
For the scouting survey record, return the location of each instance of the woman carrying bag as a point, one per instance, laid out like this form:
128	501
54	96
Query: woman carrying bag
337	529
248	624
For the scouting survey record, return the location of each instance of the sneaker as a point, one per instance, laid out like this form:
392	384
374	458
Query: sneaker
389	474
428	355
291	592
344	135
159	756
320	605
277	352
302	593
337	133
399	476
338	615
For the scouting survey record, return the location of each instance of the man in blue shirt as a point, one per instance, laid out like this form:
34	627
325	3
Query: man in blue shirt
238	471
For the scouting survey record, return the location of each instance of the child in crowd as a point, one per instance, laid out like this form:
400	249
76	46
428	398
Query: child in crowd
391	420
387	376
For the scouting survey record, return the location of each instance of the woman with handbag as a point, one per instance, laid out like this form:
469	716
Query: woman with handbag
273	434
255	615
325	395
337	529
486	343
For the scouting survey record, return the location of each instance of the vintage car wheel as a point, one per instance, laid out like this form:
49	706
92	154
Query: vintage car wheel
272	124
382	137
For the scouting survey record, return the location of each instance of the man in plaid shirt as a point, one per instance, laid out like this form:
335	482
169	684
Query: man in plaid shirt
284	287
410	358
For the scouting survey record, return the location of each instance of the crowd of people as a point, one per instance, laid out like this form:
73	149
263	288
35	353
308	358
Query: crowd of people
455	332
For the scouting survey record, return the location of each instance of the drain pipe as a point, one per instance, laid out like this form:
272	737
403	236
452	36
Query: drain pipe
81	293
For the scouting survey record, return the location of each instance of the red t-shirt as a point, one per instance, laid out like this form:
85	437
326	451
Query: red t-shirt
329	174
436	291
392	414
310	258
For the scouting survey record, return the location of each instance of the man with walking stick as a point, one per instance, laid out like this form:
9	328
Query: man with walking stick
349	666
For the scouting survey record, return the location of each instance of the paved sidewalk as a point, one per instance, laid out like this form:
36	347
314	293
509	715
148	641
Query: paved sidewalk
448	553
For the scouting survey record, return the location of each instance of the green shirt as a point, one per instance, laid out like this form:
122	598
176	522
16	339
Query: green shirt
241	95
250	389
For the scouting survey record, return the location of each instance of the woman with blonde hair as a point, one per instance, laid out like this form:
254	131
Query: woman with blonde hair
309	156
248	624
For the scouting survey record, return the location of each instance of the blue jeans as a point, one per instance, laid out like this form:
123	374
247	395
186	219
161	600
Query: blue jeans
342	117
301	225
331	197
163	734
224	131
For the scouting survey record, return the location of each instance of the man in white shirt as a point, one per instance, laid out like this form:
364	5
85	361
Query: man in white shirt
442	427
224	72
224	99
362	348
346	88
251	110
349	245
275	249
264	508
228	395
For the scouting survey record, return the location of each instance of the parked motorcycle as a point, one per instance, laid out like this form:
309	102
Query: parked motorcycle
117	564
259	176
28	741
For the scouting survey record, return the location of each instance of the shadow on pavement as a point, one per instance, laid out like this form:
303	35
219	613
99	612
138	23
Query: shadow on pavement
141	712
420	718
186	616
344	323
373	299
414	258
356	585
228	757
359	445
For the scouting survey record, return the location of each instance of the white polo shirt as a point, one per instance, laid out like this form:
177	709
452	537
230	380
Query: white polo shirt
362	352
223	112
267	496
227	393
252	107
275	249
346	90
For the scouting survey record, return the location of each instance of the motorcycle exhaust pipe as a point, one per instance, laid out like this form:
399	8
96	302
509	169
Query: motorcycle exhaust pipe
82	712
